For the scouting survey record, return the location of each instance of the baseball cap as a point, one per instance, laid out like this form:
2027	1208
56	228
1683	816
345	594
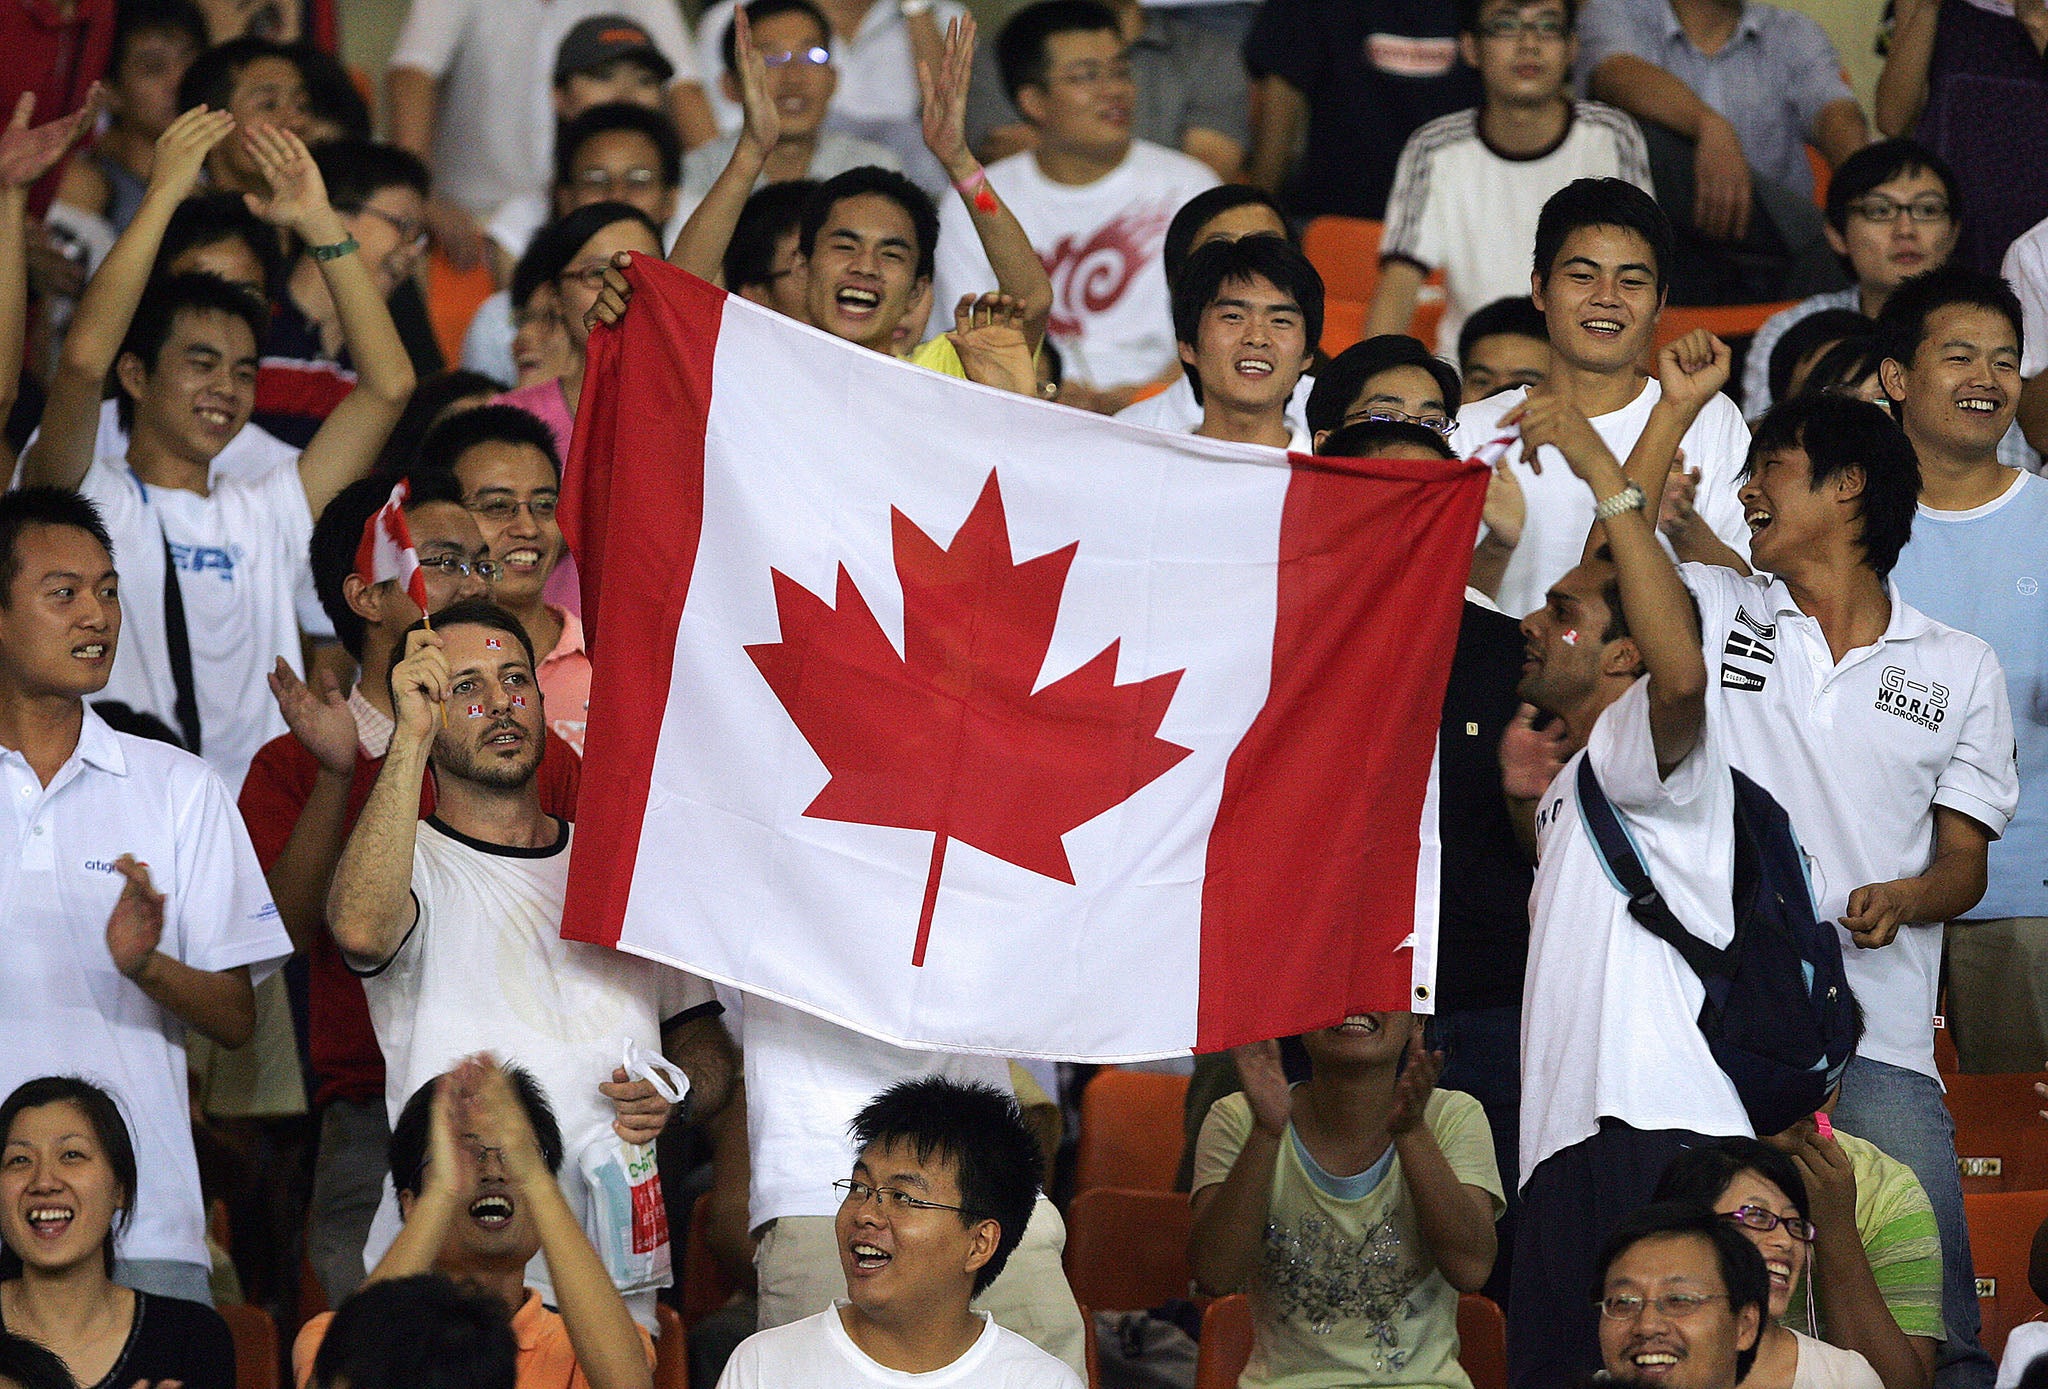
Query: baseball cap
599	39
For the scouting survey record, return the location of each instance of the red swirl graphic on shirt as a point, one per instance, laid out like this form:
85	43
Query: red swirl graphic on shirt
1090	277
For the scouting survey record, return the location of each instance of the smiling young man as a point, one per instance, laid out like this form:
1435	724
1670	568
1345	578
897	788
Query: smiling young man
1952	344
945	1178
1248	312
1894	211
1603	249
1682	1297
415	904
1469	186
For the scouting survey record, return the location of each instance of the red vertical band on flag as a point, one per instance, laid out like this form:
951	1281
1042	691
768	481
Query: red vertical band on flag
633	508
1372	562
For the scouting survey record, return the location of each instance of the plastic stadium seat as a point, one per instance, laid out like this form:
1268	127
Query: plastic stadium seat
255	1345
1483	1341
704	1287
1128	1250
453	297
671	1349
1130	1130
1226	1342
2002	1225
1346	253
1999	1143
1823	175
1722	320
1343	324
1945	1059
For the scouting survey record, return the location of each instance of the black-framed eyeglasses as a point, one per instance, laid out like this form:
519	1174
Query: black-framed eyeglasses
1509	26
1757	1218
1883	211
1675	1306
893	1199
1379	414
412	236
504	509
450	567
814	56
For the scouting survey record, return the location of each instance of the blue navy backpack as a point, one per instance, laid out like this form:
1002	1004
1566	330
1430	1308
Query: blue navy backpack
1778	1016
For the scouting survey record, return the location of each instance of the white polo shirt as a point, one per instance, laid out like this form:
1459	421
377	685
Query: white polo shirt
66	1009
1859	753
1610	1013
1561	507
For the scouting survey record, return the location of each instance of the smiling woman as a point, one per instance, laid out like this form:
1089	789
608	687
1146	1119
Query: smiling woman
67	1178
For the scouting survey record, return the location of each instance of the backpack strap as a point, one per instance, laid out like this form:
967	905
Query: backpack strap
1625	866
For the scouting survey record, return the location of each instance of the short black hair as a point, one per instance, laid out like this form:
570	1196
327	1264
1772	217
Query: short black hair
156	317
1698	1176
1470	10
134	18
1742	1267
981	1129
1845	366
1021	46
406	1150
331	93
1602	202
1220	264
430	400
212	77
31	1364
758	10
448	441
481	612
1202	209
1339	383
1515	316
1810	332
557	243
108	1127
339	533
770	212
883	183
207	219
355	171
1371	439
1838	432
418	1332
1903	323
585	126
1880	164
42	506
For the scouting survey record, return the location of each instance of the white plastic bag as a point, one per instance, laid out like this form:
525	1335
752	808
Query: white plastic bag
625	1216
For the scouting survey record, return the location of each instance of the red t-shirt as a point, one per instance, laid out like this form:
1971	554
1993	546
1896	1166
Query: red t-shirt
346	1059
56	58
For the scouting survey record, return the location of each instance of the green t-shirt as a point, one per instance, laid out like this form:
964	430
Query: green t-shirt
1899	1238
1347	1293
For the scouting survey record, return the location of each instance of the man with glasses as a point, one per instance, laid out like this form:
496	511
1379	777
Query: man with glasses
1682	1299
945	1181
1470	184
1894	211
1602	257
380	193
302	796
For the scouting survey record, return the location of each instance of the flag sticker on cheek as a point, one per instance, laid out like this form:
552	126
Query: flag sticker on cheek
476	711
518	701
1571	636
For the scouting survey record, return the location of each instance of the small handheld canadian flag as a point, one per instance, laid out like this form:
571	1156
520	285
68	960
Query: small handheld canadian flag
387	551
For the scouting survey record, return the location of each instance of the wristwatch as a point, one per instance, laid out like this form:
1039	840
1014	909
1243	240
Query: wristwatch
1629	498
335	250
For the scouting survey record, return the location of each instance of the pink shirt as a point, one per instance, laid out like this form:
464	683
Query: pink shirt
564	676
545	401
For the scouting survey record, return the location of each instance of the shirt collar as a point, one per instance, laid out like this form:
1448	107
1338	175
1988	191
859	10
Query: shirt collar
1748	26
373	729
1906	622
570	643
529	1322
98	745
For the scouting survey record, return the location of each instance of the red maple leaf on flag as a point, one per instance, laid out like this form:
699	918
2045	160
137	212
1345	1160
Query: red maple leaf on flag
950	737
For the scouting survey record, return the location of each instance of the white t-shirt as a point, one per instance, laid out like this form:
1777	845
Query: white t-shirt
2026	1343
485	968
818	1354
494	133
1859	753
806	1079
1610	1012
1175	409
1822	1366
1460	206
1112	316
67	1010
240	552
1561	506
877	71
2026	269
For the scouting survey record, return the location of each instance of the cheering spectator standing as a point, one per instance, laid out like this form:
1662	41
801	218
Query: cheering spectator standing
1470	185
212	563
1094	202
153	45
1952	370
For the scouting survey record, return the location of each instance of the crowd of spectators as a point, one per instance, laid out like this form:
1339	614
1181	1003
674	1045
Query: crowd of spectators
289	1013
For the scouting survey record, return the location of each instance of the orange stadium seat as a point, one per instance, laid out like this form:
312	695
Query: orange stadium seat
255	1345
1346	253
1128	1250
1483	1341
453	297
1722	320
1130	1130
2002	1225
1226	1343
671	1349
1999	1144
704	1287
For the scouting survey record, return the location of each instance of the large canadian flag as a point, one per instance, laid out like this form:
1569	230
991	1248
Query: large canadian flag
975	722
